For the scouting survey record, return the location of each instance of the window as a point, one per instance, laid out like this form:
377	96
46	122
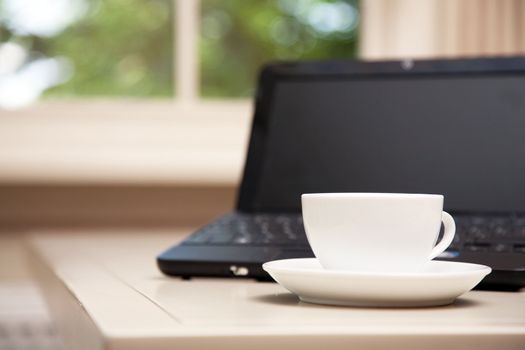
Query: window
85	48
146	90
125	48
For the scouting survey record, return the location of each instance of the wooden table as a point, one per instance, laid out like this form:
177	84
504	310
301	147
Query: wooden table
105	292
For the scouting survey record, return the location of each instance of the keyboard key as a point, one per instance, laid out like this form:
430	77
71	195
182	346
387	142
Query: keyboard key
200	237
499	221
477	233
519	248
478	220
476	247
519	232
221	237
501	231
242	240
501	248
519	222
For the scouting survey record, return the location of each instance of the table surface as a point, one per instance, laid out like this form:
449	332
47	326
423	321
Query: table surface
105	292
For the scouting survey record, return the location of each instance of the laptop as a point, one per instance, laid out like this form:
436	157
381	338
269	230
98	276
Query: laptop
452	127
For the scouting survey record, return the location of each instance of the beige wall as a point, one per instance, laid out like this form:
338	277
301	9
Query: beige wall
24	207
442	28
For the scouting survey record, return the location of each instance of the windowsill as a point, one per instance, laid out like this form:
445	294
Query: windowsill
125	142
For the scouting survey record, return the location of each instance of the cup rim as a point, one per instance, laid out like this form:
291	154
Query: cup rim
370	195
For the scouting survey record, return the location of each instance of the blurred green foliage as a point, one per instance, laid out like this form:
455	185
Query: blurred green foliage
119	48
238	36
125	47
122	47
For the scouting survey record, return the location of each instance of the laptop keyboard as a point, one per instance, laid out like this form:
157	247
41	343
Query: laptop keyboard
258	229
489	234
473	234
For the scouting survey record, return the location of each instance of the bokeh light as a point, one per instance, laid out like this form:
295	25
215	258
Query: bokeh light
41	18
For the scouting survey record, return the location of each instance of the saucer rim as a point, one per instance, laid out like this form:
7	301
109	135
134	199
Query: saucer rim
479	268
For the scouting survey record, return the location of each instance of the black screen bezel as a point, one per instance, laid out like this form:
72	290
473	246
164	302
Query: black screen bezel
274	73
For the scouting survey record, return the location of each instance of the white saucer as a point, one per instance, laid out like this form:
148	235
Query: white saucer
440	283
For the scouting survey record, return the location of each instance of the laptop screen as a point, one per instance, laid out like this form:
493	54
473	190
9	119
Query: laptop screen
462	136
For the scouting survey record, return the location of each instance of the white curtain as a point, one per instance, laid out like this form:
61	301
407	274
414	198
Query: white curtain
441	28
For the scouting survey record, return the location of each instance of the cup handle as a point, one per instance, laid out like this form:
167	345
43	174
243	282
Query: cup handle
448	235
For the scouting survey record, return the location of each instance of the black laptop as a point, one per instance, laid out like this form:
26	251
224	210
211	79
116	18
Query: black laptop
454	127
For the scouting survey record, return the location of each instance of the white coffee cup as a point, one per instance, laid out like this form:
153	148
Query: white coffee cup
376	232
